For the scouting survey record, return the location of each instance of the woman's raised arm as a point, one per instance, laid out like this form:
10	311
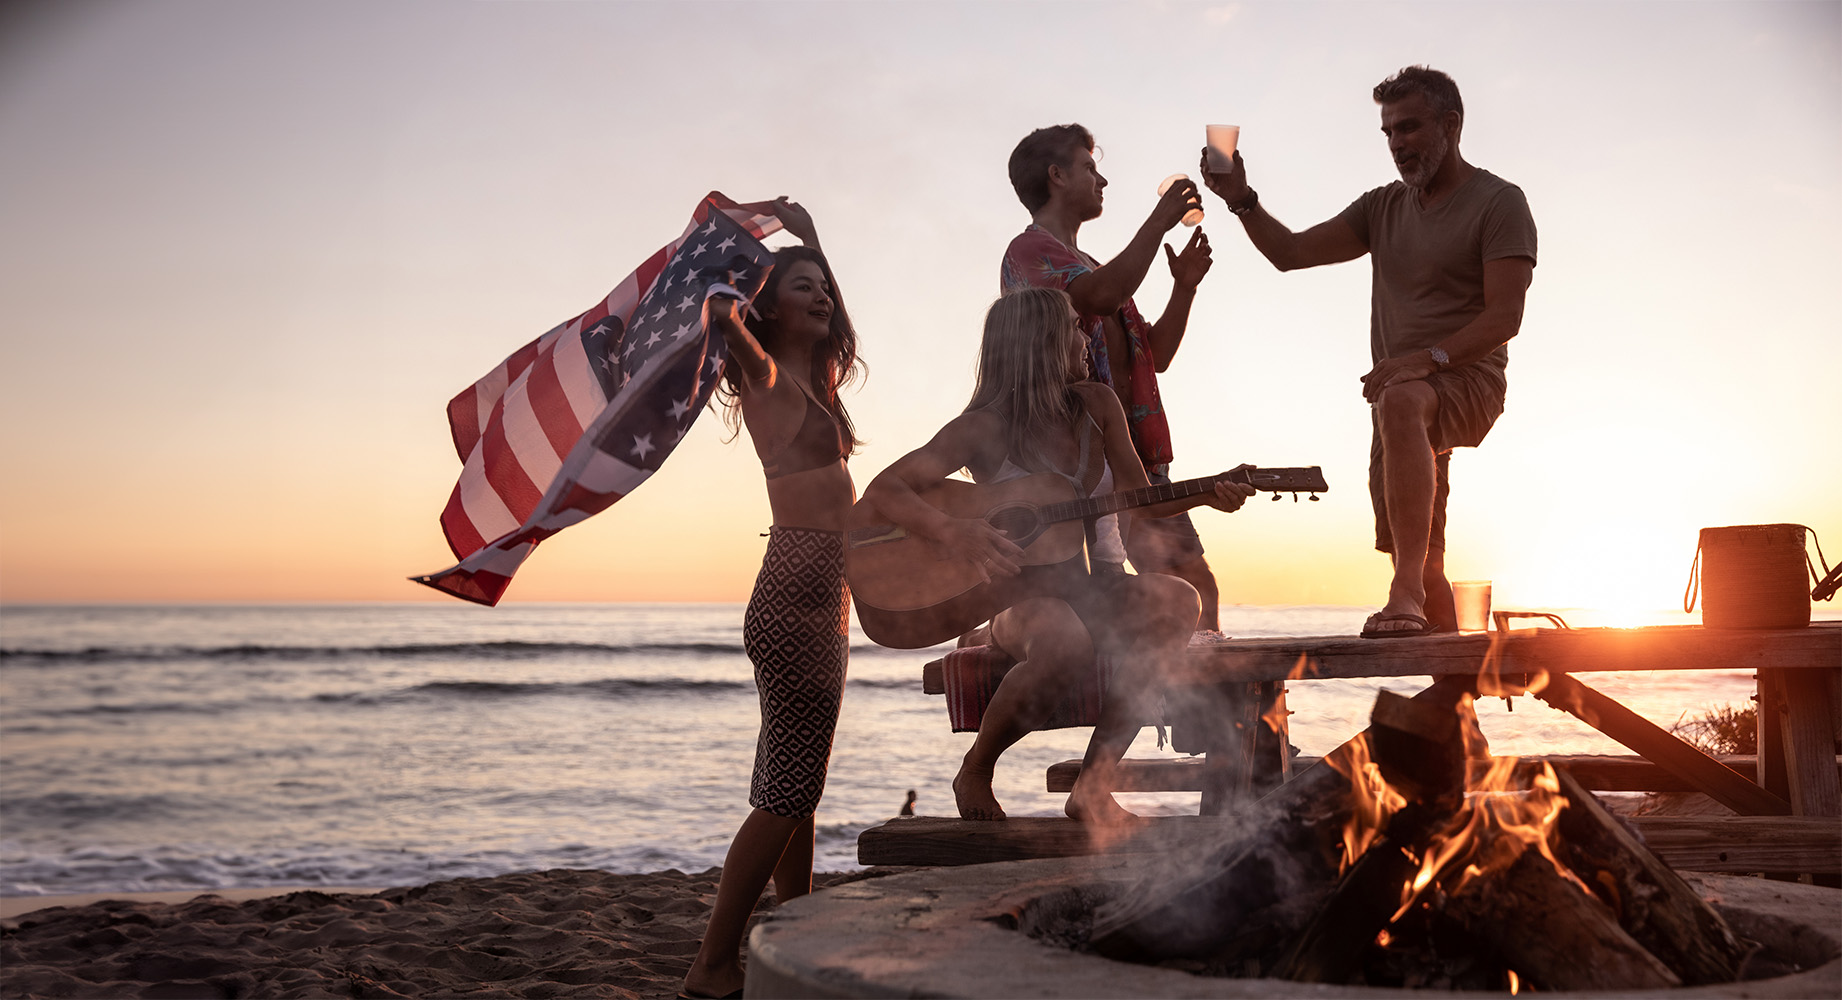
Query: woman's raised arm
758	368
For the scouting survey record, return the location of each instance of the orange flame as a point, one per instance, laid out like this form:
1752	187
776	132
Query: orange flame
1299	669
1498	823
1490	680
1275	717
1373	801
1515	982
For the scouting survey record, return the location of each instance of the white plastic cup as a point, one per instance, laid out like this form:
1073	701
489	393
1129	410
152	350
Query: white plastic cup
1472	598
1194	215
1222	141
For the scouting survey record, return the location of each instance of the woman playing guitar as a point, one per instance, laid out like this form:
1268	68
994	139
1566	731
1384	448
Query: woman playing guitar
786	363
1033	412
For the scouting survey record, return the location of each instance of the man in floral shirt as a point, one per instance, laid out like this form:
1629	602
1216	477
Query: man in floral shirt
1056	178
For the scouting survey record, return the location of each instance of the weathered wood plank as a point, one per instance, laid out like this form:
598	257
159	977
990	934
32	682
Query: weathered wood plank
1729	788
1810	743
1599	772
1524	651
1707	844
1744	843
1768	699
945	841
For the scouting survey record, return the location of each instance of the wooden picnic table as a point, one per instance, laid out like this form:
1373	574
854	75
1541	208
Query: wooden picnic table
1794	775
1799	673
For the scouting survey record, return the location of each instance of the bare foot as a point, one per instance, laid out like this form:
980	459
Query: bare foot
1097	809
972	791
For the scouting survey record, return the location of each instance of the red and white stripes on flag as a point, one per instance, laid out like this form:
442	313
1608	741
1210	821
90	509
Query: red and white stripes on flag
576	419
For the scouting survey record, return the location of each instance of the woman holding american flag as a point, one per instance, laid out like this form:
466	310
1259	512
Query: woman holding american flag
787	360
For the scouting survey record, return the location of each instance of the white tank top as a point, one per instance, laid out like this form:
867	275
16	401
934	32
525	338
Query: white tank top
1108	545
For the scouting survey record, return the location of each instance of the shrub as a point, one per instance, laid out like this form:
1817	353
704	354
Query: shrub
1722	730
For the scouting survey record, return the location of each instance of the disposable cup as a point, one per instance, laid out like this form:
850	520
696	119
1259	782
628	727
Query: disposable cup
1222	141
1191	217
1473	600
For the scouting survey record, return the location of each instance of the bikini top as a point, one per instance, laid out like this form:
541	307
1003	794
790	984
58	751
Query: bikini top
1107	545
818	443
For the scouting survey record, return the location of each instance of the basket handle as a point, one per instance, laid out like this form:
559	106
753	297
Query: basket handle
1829	580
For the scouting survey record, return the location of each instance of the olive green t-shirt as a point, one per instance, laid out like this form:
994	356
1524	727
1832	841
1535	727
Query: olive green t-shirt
1428	266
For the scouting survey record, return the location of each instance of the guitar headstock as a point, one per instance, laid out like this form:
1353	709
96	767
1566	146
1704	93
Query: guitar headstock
1309	479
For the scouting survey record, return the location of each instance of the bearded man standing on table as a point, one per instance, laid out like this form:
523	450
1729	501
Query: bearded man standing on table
1452	248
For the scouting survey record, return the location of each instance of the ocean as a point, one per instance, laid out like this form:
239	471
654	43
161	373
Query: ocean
162	748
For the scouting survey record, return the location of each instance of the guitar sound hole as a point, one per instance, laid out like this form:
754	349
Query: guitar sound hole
1014	523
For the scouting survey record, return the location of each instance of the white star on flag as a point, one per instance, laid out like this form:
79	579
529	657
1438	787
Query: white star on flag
574	420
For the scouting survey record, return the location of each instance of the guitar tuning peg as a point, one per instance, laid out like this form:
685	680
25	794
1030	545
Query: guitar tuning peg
1313	498
1275	498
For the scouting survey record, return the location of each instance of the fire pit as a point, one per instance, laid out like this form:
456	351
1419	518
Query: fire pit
991	930
1409	858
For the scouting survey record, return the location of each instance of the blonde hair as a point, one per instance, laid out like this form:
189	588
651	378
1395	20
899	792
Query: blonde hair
1024	374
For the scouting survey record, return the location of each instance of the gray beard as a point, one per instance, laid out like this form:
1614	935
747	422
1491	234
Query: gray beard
1428	165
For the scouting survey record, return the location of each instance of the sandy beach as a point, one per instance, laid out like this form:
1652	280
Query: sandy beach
558	933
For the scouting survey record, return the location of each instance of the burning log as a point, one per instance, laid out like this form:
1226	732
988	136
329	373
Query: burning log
1658	908
1418	753
1555	936
1252	891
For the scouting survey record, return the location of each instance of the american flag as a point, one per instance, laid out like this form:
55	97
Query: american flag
579	417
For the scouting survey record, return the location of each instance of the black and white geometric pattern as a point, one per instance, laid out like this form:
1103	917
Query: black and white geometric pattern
797	633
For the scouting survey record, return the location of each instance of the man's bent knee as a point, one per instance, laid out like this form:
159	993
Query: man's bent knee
1407	406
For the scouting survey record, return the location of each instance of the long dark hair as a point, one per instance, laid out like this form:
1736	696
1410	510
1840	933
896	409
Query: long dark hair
835	363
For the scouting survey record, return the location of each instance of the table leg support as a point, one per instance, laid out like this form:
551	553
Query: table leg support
1727	786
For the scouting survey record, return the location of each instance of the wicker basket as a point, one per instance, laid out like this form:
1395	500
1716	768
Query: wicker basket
1752	576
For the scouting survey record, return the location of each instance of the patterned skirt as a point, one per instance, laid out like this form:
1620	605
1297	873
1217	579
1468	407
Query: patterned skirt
797	633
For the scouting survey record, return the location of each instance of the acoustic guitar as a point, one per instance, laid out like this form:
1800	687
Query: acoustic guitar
912	592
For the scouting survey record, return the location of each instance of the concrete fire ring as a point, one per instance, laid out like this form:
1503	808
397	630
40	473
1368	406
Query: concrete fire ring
949	932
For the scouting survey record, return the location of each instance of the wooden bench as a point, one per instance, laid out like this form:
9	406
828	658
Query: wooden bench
1599	772
1240	732
1742	844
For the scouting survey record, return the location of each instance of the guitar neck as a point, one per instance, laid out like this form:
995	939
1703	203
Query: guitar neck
1113	503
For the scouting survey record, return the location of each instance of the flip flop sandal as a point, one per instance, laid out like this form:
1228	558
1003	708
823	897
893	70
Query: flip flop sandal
1420	627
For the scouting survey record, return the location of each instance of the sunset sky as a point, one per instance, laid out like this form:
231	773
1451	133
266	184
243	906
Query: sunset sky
251	250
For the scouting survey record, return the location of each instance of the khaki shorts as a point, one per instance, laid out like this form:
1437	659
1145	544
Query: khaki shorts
1160	544
1470	401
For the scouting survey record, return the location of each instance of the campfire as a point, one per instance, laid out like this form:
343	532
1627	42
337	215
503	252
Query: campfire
1411	858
